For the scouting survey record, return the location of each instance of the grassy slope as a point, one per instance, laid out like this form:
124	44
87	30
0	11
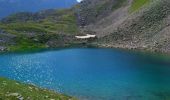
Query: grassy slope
137	4
12	90
64	23
59	22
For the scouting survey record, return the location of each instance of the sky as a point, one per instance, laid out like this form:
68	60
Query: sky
8	7
79	0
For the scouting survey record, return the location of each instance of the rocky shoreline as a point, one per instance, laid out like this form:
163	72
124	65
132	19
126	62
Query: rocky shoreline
133	47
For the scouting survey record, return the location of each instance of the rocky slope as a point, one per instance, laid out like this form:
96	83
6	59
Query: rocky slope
148	29
135	24
132	24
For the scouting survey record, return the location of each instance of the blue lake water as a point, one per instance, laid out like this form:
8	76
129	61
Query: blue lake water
92	74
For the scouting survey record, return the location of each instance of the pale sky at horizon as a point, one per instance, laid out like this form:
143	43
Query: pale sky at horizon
79	0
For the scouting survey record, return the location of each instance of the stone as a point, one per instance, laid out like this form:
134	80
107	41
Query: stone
13	94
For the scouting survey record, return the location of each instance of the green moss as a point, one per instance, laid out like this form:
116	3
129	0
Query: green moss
10	90
137	4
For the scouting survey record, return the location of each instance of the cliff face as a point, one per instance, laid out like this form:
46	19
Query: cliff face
132	24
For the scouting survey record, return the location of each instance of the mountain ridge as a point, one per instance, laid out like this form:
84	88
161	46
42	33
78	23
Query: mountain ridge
9	7
130	24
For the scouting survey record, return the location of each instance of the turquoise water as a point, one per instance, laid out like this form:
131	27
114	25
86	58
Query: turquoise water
92	74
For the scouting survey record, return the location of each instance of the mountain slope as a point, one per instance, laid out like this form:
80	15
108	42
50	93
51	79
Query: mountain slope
135	24
147	29
92	11
132	24
39	30
13	6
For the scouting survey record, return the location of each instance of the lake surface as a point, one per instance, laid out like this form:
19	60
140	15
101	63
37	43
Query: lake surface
92	74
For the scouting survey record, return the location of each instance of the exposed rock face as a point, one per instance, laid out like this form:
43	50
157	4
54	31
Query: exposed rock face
92	11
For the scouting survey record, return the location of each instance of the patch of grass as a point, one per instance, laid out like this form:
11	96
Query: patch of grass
28	27
24	44
66	24
57	21
12	90
20	27
137	4
29	31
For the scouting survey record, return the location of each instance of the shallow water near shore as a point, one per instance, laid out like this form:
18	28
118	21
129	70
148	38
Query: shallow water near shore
92	74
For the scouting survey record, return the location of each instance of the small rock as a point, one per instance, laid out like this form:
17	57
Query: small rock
2	48
36	40
17	83
28	98
36	89
30	88
20	97
46	96
4	83
13	94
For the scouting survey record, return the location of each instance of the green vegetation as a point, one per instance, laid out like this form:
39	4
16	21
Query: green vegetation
137	4
33	31
12	90
26	44
65	24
